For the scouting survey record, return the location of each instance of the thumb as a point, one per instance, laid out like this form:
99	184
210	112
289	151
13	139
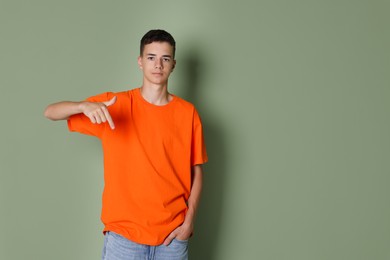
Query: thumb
110	102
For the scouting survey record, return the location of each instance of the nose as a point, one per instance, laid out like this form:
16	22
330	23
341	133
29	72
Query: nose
158	64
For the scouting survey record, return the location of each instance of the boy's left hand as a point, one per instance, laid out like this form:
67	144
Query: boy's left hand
182	232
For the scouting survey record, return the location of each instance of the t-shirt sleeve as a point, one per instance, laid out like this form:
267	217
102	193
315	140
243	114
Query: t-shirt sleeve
199	154
82	124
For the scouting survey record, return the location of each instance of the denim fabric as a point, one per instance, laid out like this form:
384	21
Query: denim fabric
116	247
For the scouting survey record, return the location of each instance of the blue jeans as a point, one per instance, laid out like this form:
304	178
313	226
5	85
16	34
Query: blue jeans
116	247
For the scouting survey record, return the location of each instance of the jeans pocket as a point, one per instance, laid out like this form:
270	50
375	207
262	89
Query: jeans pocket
181	241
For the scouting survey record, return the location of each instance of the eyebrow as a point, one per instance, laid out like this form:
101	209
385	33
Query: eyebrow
151	54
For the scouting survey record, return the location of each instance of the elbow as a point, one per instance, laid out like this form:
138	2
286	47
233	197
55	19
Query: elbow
48	113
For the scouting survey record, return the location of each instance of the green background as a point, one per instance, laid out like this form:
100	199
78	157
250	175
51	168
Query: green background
294	96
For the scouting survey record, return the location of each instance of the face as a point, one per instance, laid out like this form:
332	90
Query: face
157	63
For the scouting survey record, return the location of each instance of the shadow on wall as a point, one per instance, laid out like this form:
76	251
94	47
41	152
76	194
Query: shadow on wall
208	221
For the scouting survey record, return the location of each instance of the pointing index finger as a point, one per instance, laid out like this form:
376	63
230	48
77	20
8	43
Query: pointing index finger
109	119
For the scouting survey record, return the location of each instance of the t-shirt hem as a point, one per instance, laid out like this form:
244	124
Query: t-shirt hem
127	236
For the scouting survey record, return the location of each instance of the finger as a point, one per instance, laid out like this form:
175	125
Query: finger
109	119
97	117
92	118
169	239
101	115
110	102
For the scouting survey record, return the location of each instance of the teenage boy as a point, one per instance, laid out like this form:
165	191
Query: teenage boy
153	154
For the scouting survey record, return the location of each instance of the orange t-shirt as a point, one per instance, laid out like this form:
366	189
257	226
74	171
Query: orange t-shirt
147	163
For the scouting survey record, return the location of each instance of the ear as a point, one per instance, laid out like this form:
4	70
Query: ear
140	62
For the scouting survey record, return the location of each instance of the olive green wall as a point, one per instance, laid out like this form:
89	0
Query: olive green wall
294	96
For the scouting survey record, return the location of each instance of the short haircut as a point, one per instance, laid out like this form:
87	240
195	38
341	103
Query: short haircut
157	36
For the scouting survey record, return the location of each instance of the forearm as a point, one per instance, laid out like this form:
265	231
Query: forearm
97	112
194	199
63	110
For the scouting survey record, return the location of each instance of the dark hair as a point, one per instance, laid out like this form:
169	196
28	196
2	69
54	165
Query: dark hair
157	36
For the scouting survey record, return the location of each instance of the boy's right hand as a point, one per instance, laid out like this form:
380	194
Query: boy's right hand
97	112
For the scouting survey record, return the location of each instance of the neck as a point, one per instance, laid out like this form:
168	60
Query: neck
156	94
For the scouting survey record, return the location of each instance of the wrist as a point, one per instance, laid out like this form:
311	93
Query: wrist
188	220
81	106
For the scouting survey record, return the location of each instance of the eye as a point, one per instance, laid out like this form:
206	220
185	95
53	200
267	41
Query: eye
150	58
166	59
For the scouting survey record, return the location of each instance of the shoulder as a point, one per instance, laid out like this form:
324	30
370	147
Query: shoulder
184	104
187	110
